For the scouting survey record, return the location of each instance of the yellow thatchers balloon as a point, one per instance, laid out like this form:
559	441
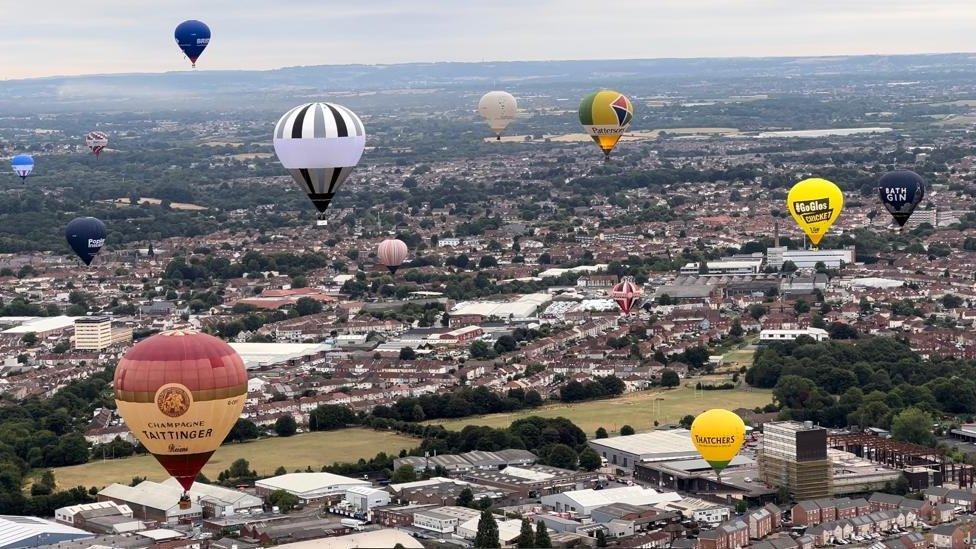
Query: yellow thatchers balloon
718	434
815	204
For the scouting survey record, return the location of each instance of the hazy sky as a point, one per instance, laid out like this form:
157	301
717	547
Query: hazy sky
52	37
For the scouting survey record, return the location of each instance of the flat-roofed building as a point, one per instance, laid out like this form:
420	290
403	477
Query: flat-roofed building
93	333
151	501
772	336
33	532
443	520
533	481
808	259
625	452
308	487
583	502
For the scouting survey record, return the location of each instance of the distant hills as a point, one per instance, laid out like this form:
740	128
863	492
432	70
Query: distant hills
214	88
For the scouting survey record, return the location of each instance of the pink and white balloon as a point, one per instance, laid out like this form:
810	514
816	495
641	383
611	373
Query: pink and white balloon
391	253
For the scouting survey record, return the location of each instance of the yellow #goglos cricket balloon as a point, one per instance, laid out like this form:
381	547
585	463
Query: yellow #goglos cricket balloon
815	205
718	435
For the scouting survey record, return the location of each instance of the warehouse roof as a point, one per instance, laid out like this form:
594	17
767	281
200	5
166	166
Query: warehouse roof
675	443
15	531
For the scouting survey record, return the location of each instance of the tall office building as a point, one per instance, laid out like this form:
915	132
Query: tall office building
94	333
794	455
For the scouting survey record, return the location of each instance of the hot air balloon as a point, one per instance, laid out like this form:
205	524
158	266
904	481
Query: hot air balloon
192	37
319	144
23	165
96	141
85	235
718	435
605	116
901	191
180	392
391	253
499	109
626	293
815	205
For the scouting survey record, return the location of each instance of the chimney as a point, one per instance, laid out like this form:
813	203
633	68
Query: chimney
776	233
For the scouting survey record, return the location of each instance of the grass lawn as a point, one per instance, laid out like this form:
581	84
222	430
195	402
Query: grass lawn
734	360
297	452
639	410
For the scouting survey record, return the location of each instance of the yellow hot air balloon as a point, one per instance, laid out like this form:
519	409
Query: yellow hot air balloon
718	435
605	116
815	205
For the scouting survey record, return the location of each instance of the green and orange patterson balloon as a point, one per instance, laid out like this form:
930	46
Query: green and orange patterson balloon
718	435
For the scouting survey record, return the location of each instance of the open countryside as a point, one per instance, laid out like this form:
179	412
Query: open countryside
265	455
639	410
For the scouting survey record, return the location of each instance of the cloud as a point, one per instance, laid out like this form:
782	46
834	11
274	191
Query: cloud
51	37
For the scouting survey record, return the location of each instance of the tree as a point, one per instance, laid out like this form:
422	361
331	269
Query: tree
669	378
487	535
757	311
240	468
601	433
487	262
736	330
526	537
307	306
330	416
29	339
601	539
788	267
404	473
284	501
481	351
285	426
840	330
626	430
407	353
542	540
589	460
505	344
913	425
243	430
687	421
533	399
465	498
801	306
562	456
281	471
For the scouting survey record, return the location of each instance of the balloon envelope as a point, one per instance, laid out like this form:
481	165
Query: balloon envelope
718	435
815	205
96	141
499	109
85	235
23	165
901	191
319	144
192	37
605	116
180	393
391	253
626	293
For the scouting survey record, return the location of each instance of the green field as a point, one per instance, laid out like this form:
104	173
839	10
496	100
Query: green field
297	452
639	410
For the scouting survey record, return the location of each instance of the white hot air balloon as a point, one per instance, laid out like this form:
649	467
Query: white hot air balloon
319	144
499	109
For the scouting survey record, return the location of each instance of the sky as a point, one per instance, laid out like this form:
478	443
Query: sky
62	37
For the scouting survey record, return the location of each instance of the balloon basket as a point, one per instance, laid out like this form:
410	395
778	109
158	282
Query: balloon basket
184	502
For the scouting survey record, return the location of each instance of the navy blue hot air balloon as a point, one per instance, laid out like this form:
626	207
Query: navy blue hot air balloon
86	235
901	191
192	37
